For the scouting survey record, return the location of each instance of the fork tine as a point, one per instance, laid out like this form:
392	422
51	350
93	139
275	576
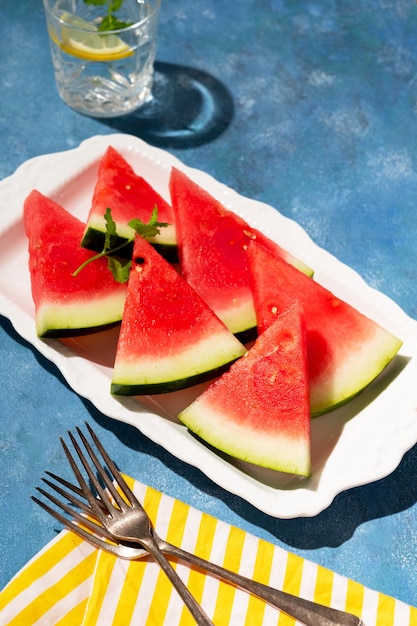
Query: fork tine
81	519
78	530
66	483
112	467
80	478
78	503
100	469
85	489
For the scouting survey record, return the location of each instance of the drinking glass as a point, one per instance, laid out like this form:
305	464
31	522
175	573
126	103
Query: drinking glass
103	53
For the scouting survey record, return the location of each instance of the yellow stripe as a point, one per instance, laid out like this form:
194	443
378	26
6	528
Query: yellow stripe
54	594
261	573
205	537
175	535
177	522
386	610
130	481
292	583
354	597
105	566
324	586
75	616
151	502
413	616
197	578
163	587
132	583
231	561
130	591
39	567
136	571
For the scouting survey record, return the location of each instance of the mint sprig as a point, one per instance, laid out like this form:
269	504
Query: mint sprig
110	21
120	267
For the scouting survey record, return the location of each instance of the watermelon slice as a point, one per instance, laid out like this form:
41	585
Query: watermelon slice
67	305
259	410
346	350
212	242
169	338
129	197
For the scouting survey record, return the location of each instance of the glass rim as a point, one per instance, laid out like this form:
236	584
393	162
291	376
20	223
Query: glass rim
117	31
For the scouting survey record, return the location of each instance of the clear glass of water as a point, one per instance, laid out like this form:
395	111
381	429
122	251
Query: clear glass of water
103	53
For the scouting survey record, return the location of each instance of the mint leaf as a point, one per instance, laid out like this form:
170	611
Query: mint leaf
111	230
120	267
109	21
151	229
115	5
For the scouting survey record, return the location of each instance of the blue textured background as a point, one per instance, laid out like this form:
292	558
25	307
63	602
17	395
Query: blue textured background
324	128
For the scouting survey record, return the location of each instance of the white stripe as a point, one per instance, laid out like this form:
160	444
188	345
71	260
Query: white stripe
217	554
164	515
308	580
278	568
146	593
62	608
339	592
370	607
402	613
271	616
191	530
246	568
176	604
50	578
114	589
249	554
189	540
239	608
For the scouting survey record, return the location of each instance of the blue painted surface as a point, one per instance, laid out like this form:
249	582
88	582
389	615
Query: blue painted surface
324	128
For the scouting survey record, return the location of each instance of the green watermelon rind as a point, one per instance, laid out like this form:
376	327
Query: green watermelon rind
144	389
80	317
259	411
257	448
352	379
94	236
241	319
202	361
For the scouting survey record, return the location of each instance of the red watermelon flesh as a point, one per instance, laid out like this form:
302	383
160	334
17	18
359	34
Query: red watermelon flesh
346	350
66	305
129	196
169	338
211	246
259	411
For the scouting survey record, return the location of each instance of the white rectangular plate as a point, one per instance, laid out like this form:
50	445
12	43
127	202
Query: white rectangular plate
355	444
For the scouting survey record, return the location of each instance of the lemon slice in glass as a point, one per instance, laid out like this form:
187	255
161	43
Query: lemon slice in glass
81	39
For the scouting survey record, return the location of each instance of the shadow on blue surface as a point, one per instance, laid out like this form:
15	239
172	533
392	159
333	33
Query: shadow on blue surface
189	108
331	528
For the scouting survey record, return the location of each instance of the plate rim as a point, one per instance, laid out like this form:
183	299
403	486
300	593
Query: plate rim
320	491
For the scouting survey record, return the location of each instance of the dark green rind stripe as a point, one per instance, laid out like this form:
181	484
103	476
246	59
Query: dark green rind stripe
61	333
145	389
93	239
245	336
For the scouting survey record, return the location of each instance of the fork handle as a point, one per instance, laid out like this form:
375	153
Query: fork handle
305	611
193	606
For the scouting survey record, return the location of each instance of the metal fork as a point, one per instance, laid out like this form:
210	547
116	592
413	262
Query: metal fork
124	517
99	532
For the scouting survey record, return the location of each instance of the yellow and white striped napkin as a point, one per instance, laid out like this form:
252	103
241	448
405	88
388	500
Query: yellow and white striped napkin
70	583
